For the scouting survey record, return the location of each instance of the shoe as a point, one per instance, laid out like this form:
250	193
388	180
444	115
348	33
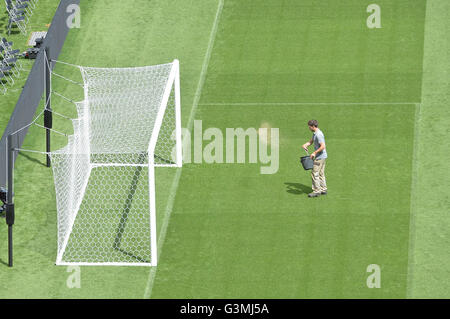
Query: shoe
313	194
324	193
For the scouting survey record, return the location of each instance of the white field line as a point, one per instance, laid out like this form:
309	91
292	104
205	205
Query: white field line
414	174
103	264
176	180
307	103
413	197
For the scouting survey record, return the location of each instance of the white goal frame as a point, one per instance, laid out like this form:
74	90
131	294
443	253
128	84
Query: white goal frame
172	87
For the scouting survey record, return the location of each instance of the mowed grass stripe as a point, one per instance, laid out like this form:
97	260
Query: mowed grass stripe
176	180
430	256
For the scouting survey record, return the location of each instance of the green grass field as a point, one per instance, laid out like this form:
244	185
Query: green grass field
227	231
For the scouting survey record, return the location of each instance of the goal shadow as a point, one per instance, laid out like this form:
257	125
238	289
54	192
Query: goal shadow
127	206
126	211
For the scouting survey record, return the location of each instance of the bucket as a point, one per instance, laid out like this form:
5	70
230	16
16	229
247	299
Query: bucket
307	162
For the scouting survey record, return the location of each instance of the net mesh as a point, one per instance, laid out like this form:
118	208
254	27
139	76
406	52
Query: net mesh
103	176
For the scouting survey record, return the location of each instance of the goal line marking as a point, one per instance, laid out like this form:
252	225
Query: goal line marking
176	180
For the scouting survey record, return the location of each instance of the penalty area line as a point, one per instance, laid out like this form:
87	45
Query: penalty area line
413	203
307	103
176	180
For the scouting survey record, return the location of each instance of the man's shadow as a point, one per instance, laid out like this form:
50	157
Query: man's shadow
297	188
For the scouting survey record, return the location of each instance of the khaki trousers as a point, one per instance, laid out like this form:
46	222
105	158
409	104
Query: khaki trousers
319	183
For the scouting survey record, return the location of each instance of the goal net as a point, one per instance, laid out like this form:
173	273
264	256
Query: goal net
128	124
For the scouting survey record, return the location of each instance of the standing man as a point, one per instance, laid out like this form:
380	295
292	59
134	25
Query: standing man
319	184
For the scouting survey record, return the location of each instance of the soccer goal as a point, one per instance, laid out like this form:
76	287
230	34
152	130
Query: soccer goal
128	123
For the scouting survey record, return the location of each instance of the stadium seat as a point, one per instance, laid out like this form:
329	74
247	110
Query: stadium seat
6	70
19	12
4	88
9	64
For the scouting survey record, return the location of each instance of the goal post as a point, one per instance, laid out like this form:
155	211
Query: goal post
128	124
170	91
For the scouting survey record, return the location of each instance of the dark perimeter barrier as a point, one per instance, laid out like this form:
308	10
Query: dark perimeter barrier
27	105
